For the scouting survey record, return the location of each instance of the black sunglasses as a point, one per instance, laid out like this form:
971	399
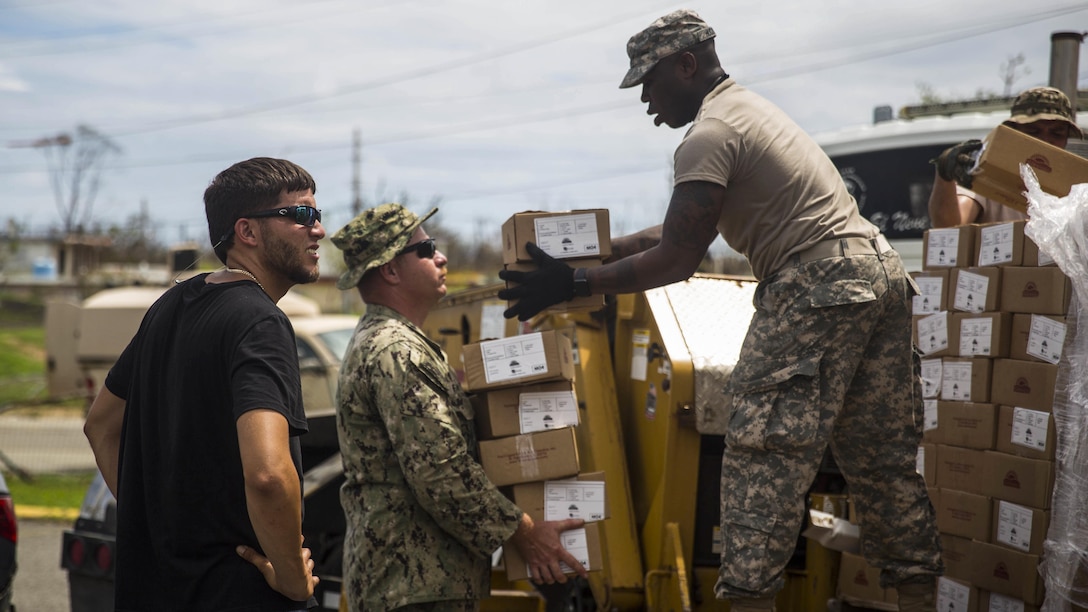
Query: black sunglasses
425	249
303	215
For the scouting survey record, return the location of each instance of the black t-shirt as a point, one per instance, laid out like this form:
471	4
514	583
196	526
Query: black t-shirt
204	355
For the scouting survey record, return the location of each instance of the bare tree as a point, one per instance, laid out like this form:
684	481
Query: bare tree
1010	72
75	169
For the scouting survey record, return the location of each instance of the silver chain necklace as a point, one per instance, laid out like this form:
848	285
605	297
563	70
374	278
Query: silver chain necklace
247	273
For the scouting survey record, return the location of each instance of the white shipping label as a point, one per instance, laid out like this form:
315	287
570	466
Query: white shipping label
930	408
492	323
956	381
970	292
513	358
568	235
564	499
1014	525
931	377
547	410
995	244
1030	428
1046	338
928	301
574	541
942	247
952	595
640	350
975	336
933	333
1003	603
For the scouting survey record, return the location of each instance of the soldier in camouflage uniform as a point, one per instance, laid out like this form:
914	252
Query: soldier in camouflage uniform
422	518
1040	112
828	357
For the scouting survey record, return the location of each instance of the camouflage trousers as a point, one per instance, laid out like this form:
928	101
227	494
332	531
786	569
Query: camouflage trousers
827	361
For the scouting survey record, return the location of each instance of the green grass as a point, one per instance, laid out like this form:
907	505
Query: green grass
22	360
50	490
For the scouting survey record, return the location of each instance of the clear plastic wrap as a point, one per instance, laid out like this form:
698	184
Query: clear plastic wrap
1060	227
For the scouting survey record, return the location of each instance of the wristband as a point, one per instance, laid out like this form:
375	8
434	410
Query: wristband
581	282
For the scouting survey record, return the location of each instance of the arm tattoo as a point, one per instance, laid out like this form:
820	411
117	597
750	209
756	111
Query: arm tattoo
692	219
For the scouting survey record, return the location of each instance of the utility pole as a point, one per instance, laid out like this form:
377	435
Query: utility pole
356	174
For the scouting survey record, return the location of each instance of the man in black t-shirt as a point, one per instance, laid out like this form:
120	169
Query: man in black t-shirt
196	429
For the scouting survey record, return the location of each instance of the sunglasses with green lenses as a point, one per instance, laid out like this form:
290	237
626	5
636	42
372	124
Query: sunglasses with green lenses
303	215
424	249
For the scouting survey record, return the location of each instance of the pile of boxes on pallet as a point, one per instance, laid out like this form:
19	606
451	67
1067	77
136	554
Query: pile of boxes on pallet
524	396
990	324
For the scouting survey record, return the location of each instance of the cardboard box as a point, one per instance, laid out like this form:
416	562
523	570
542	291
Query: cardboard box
953	594
859	585
996	602
964	514
578	497
499	412
985	334
1001	570
961	469
563	235
974	289
1019	527
934	335
589	302
1027	384
1028	482
1000	244
1037	337
933	292
1033	257
1035	290
956	553
965	424
584	544
518	360
965	379
997	173
544	455
1026	433
948	247
932	370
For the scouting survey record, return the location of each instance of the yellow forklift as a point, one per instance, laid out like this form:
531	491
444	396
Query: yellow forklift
650	372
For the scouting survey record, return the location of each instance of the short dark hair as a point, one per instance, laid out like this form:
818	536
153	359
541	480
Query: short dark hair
248	186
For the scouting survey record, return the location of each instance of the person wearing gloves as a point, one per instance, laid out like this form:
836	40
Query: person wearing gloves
1041	112
827	359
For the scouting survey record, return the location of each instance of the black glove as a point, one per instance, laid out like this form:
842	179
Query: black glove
552	282
955	162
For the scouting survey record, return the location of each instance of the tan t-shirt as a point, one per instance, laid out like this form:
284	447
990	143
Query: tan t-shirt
783	194
992	211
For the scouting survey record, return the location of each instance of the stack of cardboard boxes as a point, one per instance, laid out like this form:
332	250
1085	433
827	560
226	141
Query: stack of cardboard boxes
990	324
524	395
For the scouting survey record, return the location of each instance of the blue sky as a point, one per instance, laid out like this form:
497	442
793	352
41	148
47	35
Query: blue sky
494	107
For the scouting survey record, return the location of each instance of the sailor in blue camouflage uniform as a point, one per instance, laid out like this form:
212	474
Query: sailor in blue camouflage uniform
827	360
422	518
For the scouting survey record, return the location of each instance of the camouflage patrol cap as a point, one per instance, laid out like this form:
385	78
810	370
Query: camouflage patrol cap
672	33
373	238
1041	104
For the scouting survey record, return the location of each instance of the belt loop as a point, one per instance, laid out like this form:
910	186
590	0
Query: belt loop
844	244
875	242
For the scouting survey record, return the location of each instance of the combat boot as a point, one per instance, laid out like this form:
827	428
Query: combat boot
918	596
765	604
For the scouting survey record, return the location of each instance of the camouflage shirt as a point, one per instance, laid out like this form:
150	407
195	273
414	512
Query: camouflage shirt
422	518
